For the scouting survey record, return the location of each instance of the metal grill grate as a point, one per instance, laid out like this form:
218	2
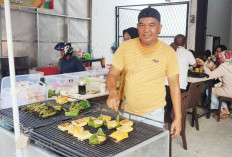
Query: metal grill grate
67	145
28	121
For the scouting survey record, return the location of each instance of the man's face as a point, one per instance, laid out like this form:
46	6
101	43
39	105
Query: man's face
148	29
62	53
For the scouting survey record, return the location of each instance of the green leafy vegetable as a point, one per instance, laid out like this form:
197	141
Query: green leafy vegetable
84	104
94	140
72	113
93	123
100	117
100	132
98	138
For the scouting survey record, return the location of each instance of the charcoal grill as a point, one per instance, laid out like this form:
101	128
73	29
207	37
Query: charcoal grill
67	145
29	121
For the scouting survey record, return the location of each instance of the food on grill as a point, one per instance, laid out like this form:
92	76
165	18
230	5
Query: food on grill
84	135
65	126
75	108
71	113
61	100
119	135
95	123
98	138
75	130
113	123
125	128
82	121
42	110
126	122
84	104
105	118
56	107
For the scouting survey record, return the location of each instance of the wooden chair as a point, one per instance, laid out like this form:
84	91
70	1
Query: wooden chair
221	99
169	117
195	93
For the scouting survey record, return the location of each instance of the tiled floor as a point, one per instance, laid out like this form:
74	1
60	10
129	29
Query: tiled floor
214	139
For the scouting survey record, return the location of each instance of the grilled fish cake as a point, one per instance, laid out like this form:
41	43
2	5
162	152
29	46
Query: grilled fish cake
112	124
65	126
99	122
101	138
119	135
84	135
75	129
82	121
125	128
126	122
106	118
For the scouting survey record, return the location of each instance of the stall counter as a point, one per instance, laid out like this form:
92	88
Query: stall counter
7	147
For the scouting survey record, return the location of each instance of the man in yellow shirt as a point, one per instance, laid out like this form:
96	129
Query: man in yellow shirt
146	61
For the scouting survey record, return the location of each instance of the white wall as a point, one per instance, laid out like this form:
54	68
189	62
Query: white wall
219	20
103	24
230	41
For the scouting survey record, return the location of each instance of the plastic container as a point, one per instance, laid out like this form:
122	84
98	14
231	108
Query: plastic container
28	90
94	78
95	72
63	84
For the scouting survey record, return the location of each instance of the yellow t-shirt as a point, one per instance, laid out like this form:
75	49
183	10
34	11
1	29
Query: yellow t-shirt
146	69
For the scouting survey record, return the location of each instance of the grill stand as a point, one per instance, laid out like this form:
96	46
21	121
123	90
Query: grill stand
155	146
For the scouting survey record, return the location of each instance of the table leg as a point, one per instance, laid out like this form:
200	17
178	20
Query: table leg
208	103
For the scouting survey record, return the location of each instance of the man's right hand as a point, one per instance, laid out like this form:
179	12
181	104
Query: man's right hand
112	77
113	101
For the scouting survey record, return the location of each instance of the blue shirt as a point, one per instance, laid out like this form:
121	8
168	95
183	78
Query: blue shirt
71	65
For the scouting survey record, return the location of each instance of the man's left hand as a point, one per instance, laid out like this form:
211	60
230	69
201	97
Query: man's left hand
176	128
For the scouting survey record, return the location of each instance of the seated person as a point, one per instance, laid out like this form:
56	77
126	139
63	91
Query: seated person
219	49
224	71
206	54
60	47
185	58
130	33
68	63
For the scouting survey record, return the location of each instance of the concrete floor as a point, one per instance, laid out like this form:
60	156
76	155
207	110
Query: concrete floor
214	139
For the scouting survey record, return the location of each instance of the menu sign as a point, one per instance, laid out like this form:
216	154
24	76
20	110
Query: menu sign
48	4
16	1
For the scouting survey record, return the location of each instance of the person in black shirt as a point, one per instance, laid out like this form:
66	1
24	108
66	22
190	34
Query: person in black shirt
69	63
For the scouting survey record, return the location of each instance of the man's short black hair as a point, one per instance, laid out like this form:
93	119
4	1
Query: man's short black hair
149	12
180	40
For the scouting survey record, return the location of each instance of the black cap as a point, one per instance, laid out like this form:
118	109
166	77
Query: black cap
149	12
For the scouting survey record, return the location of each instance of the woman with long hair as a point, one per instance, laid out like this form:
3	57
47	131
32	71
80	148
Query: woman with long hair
224	72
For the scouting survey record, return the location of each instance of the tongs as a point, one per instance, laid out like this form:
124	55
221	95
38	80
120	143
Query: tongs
120	111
